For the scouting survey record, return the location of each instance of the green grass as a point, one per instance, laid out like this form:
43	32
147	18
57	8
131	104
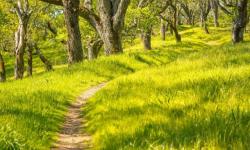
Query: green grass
198	101
32	109
162	97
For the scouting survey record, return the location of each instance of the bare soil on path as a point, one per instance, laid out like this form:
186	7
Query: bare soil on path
72	136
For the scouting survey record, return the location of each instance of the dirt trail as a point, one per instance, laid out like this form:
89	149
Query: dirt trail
71	137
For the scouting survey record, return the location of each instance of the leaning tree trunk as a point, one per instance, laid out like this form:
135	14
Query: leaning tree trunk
71	13
176	33
240	22
46	62
163	30
23	14
2	69
146	39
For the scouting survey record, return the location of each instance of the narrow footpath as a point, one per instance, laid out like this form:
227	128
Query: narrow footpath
71	136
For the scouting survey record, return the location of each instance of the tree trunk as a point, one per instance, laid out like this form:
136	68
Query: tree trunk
205	8
46	62
177	35
146	39
189	20
240	22
71	14
204	24
171	30
2	69
111	28
215	10
23	14
19	50
30	60
163	30
112	42
107	20
94	47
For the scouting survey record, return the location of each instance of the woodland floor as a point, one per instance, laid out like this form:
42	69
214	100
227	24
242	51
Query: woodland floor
71	136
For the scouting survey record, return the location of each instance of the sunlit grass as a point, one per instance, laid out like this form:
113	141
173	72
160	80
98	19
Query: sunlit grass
200	101
184	85
32	109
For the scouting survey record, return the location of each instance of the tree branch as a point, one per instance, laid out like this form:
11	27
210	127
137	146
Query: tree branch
120	14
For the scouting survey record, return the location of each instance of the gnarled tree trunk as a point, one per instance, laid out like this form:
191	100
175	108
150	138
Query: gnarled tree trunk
94	47
71	14
2	69
23	14
108	20
240	22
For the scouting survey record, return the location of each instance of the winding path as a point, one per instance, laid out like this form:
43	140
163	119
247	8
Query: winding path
71	136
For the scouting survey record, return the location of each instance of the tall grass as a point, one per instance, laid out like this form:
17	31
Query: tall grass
33	109
133	111
197	102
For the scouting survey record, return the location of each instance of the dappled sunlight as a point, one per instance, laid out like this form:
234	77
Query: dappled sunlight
198	101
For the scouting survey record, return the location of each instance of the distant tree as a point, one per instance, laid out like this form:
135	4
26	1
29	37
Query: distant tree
189	9
170	13
205	8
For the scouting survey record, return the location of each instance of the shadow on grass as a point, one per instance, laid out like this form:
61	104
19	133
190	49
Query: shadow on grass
40	113
192	125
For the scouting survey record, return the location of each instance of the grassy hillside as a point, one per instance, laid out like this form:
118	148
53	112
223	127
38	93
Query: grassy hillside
176	88
198	101
31	110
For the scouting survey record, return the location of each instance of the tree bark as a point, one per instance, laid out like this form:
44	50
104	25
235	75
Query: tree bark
23	14
163	30
30	60
240	21
108	20
112	41
46	62
71	14
171	30
205	7
94	47
215	10
2	69
146	39
176	33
